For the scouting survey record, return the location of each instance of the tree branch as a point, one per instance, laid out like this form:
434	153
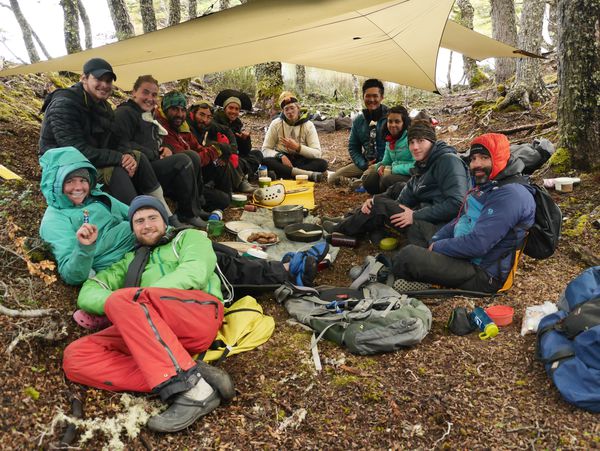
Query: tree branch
520	128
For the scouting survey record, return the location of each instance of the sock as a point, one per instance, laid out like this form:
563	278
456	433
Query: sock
298	171
199	391
158	193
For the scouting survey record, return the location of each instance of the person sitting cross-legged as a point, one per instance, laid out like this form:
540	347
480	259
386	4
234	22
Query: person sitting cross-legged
475	251
429	199
291	146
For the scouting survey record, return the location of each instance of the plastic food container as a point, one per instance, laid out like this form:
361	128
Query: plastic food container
239	200
502	315
388	244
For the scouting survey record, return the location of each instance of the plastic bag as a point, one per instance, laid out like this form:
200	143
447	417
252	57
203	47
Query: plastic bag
533	316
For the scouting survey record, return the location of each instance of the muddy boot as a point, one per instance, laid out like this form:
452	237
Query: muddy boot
218	379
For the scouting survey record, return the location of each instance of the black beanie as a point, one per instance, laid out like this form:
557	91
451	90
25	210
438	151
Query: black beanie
479	148
147	202
421	129
81	172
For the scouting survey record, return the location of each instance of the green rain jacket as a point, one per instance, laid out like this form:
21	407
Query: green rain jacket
62	219
186	262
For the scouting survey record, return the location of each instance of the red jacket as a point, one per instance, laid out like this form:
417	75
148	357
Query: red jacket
183	139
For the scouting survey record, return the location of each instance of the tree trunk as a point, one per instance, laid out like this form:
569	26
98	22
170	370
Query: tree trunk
356	92
579	81
300	78
552	25
40	44
26	31
192	9
71	28
529	85
121	20
449	74
87	26
466	20
504	29
269	84
174	12
148	15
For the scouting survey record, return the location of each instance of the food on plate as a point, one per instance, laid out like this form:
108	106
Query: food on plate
262	237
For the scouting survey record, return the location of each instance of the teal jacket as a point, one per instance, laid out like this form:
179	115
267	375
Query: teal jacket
62	219
186	262
358	143
399	158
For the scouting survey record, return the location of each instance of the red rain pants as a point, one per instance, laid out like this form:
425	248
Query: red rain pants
154	333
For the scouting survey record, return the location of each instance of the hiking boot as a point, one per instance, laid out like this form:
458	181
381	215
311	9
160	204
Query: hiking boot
218	379
195	221
246	187
329	226
174	221
316	177
355	184
403	285
184	411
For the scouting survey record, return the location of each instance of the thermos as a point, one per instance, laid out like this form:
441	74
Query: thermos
484	323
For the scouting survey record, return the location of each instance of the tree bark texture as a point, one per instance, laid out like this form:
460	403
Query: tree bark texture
148	15
269	84
466	20
174	12
71	25
504	29
300	78
192	9
579	81
552	24
87	26
25	30
121	20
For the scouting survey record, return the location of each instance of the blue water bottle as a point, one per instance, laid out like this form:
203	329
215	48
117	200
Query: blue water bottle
484	323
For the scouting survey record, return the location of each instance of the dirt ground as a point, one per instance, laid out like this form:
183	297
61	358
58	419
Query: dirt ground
449	392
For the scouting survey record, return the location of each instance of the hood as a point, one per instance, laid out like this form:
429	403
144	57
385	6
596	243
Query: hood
220	117
302	118
499	148
162	119
376	115
56	165
75	92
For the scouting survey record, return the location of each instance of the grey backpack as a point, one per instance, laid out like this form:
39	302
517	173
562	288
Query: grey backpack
369	320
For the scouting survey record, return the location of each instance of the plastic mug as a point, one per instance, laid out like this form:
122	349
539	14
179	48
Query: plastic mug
263	182
214	227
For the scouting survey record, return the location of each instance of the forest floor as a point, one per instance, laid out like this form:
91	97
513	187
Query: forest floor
448	392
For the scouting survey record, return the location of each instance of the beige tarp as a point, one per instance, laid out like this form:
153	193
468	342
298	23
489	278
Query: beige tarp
396	41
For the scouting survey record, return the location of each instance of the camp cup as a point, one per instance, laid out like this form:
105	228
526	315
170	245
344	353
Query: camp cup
263	182
238	200
214	227
288	214
301	178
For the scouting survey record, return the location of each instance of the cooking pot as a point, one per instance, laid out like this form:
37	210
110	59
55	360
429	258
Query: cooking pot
284	215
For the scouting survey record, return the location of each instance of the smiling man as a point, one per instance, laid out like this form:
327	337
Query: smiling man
81	117
367	138
476	251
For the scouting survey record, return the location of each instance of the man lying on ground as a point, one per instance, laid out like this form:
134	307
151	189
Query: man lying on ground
172	116
88	230
430	198
475	251
291	146
81	117
366	144
165	303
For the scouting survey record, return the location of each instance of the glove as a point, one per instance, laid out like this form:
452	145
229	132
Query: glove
235	160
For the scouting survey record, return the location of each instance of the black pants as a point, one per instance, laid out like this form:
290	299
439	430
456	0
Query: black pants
298	161
417	263
178	178
375	184
125	188
248	275
250	162
218	177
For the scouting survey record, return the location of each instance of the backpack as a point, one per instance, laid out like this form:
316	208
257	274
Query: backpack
543	236
568	342
244	328
366	321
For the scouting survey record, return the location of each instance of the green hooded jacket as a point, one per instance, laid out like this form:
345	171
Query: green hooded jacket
62	219
186	262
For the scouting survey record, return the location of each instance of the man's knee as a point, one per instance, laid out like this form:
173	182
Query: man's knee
405	257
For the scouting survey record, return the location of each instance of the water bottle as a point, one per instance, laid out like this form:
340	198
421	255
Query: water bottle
484	323
216	215
263	171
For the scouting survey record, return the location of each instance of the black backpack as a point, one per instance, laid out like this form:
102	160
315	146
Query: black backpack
543	236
